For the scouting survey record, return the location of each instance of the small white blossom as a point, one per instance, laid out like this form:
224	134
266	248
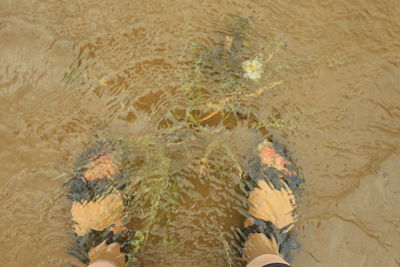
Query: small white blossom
252	69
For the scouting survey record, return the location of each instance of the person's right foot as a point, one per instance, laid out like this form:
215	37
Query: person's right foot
271	204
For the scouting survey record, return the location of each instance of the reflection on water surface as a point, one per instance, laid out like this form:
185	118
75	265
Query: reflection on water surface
173	75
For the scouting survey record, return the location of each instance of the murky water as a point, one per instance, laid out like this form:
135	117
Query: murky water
73	72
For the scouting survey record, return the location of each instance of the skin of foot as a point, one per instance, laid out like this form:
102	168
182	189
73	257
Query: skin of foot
258	244
101	167
98	214
272	205
101	213
109	252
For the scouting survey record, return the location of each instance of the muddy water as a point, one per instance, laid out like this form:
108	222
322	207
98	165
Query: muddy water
73	72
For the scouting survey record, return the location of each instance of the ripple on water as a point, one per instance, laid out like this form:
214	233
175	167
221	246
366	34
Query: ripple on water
75	72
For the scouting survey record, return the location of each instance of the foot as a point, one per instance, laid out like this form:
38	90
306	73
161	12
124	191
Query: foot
258	244
98	214
107	253
105	210
98	208
272	206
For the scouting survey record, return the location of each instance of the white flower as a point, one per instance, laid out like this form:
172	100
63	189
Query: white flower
252	69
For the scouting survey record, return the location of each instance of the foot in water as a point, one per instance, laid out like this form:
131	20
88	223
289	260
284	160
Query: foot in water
272	193
98	208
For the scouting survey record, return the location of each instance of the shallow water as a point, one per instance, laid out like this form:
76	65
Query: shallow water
73	72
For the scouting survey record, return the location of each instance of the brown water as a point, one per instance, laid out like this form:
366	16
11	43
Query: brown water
337	109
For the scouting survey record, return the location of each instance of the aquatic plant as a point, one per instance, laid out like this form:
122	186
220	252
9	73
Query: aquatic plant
253	69
223	80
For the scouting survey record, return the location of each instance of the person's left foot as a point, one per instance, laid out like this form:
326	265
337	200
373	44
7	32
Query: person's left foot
98	214
98	208
104	210
101	167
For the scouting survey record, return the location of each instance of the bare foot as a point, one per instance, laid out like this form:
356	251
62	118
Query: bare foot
270	204
267	202
98	214
258	244
111	252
